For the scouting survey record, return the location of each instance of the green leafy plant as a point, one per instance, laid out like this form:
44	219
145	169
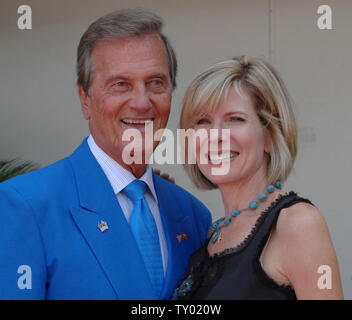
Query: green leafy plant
12	168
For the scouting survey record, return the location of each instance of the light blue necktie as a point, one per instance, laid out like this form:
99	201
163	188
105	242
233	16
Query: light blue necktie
146	233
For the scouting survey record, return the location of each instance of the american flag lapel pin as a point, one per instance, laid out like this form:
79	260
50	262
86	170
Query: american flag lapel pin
180	236
102	226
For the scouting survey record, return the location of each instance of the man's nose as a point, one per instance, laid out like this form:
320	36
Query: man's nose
140	100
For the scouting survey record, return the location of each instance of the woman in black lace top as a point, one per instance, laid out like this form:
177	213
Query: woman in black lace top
270	244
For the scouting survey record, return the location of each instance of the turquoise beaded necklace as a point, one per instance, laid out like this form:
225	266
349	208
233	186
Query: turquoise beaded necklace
252	206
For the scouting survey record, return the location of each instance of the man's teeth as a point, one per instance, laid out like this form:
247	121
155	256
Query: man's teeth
128	121
215	157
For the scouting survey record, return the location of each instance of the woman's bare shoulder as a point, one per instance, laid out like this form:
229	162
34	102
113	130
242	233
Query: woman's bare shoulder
305	245
301	219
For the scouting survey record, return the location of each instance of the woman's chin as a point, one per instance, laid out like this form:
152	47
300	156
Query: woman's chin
218	179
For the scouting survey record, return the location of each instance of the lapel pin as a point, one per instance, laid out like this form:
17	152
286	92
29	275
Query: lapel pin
103	226
181	236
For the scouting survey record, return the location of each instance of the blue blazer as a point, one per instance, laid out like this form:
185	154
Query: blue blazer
52	248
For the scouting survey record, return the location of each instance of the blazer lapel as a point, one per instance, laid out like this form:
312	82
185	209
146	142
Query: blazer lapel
174	221
115	249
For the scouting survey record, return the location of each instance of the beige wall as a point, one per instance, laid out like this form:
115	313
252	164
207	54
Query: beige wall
40	117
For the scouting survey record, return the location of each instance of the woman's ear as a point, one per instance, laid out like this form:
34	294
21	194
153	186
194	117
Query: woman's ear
267	141
85	102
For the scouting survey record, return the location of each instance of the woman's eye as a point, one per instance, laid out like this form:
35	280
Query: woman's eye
236	119
202	121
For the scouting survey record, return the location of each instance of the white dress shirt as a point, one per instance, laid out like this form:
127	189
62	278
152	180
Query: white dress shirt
119	178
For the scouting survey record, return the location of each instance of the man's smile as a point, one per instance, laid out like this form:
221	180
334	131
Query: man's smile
137	121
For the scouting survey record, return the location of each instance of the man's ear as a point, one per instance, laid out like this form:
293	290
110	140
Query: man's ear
85	101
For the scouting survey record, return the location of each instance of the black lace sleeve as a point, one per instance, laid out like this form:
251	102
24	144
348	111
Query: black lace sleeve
193	276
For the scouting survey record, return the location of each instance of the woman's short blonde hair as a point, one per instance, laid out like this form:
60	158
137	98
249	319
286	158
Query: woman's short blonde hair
263	84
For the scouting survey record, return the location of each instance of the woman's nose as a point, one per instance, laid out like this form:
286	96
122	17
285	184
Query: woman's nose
217	130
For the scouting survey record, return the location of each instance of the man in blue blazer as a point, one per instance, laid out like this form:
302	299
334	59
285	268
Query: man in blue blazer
65	229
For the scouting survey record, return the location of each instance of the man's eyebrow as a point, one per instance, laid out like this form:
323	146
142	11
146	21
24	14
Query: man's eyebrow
124	78
115	77
158	75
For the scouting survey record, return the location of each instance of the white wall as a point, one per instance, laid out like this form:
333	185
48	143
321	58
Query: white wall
40	117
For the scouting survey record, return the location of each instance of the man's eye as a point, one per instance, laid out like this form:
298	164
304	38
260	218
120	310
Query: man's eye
120	84
156	84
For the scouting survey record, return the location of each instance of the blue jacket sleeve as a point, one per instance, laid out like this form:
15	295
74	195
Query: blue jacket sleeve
203	217
22	258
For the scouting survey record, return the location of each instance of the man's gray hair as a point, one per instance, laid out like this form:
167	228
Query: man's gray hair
116	25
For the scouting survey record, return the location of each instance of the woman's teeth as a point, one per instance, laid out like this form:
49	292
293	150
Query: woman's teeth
224	156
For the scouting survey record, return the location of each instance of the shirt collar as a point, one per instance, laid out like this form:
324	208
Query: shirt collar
117	175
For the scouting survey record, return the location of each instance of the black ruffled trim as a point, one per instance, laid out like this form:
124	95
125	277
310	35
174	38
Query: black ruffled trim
245	242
